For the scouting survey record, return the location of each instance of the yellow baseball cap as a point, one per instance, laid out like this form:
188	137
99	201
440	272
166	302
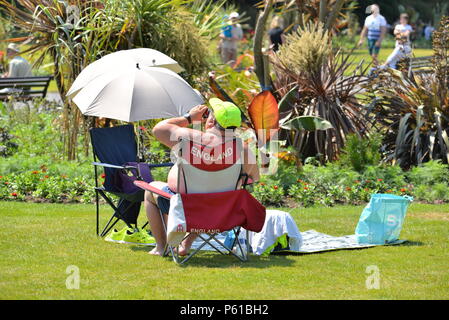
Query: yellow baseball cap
226	113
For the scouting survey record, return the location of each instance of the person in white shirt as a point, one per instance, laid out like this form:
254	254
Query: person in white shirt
18	66
428	30
403	47
374	30
229	44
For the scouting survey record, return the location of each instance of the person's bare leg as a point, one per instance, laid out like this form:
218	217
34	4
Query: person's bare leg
184	247
156	225
375	60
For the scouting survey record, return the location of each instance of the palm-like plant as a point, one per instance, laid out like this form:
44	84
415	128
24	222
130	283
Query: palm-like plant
416	120
321	85
77	32
415	109
329	12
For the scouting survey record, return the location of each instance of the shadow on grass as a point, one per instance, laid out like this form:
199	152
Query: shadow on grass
209	259
409	243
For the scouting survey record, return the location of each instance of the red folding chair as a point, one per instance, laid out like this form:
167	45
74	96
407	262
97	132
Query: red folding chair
211	199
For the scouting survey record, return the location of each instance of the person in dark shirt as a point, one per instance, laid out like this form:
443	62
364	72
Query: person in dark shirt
276	33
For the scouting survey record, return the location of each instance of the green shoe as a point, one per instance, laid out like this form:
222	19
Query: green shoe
139	237
117	236
148	237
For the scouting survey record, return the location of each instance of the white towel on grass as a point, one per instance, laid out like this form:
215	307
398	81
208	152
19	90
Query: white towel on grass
277	223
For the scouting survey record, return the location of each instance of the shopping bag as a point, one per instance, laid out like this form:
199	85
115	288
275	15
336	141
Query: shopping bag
382	219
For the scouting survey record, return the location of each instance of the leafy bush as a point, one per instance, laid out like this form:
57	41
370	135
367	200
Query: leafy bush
42	185
7	146
333	184
269	193
415	108
361	152
429	173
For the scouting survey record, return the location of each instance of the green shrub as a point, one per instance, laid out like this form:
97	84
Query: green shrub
269	193
304	193
7	145
359	153
387	176
429	173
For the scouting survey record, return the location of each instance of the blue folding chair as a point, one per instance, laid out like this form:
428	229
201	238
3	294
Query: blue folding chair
115	150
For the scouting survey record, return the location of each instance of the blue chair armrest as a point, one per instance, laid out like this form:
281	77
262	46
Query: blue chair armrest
107	165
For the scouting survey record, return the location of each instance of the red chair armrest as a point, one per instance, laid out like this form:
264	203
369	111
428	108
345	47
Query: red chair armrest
146	186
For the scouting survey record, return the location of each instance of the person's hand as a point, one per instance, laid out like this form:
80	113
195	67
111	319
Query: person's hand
378	43
196	113
360	43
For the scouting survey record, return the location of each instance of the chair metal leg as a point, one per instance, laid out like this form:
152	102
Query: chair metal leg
108	227
229	250
216	249
97	203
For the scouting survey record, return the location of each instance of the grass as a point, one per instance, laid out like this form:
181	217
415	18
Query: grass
39	241
362	54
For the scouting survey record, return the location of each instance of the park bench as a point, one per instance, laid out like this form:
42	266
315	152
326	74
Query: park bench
421	64
25	88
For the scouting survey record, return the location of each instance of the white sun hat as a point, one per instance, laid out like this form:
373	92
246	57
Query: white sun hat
13	47
234	15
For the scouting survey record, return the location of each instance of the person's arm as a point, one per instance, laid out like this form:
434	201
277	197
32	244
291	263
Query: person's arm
362	36
396	30
250	166
408	32
171	130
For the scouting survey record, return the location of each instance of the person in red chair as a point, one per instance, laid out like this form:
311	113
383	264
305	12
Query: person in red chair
220	121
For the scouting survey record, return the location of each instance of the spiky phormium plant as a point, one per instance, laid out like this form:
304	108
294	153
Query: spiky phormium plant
414	110
318	82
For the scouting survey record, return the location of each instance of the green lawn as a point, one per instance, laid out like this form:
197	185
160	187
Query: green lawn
39	241
362	54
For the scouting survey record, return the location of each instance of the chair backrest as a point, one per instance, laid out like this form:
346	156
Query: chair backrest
116	145
209	168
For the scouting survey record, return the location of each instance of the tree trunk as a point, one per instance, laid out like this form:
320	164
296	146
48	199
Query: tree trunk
258	42
334	14
300	5
323	11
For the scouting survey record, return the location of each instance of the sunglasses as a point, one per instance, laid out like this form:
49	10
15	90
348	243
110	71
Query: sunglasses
207	113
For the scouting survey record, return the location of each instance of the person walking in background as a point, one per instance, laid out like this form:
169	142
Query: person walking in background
428	30
374	30
18	66
276	33
403	48
230	36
